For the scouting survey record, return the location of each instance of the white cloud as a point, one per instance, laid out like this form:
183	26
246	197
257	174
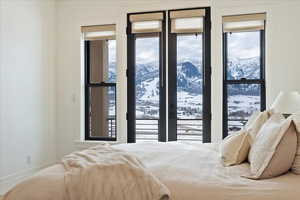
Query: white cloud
244	45
112	50
147	50
189	49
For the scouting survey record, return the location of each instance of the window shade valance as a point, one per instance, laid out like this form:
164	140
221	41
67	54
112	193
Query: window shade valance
249	22
147	22
187	13
187	21
99	32
159	16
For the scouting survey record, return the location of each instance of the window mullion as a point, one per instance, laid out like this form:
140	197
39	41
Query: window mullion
245	81
101	84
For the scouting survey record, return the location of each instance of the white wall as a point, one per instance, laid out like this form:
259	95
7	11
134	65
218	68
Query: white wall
40	69
282	60
27	84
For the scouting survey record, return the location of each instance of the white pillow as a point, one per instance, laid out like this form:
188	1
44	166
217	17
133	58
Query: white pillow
254	124
296	164
235	148
274	148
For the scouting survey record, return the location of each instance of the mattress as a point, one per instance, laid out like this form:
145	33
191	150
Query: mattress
191	171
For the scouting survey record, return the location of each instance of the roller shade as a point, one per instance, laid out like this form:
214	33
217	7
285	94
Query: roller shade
187	21
99	32
249	22
146	23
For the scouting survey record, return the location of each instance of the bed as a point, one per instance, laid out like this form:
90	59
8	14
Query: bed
191	171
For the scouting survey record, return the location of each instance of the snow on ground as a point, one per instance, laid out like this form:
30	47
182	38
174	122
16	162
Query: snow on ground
242	106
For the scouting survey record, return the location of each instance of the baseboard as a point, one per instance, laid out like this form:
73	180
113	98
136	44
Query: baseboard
8	182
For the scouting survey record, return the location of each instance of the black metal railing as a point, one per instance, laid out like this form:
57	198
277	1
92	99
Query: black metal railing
236	125
187	129
111	126
146	129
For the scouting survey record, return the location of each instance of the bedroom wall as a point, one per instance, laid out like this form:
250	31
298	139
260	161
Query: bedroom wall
282	66
282	60
27	101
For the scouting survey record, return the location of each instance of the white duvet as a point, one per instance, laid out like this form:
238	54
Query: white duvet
191	171
98	173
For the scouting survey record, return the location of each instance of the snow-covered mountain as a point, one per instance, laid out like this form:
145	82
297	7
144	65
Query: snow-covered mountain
189	78
243	98
243	68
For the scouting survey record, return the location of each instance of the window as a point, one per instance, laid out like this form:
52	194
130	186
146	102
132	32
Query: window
146	77
244	69
189	65
100	82
189	75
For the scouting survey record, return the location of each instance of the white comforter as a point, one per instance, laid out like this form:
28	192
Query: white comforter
191	171
101	172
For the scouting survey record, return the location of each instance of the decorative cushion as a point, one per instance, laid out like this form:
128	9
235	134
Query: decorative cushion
235	148
274	148
296	164
255	123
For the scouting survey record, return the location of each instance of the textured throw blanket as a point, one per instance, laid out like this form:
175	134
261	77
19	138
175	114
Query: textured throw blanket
105	173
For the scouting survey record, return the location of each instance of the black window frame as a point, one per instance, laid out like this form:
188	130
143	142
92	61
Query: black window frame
130	73
172	75
87	86
261	81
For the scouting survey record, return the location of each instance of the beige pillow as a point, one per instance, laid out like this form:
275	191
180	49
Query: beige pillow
235	148
255	123
296	164
252	118
274	148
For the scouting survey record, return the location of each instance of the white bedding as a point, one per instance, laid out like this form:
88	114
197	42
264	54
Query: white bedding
191	171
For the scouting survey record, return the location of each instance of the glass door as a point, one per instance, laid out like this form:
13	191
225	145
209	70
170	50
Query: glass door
189	87
189	75
147	88
146	118
189	70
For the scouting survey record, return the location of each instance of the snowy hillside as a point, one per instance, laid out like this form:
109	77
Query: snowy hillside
243	99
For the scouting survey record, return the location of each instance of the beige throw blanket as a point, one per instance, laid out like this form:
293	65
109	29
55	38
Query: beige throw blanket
103	172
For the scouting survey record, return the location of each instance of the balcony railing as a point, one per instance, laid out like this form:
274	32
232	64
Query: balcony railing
146	129
236	125
187	129
111	127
